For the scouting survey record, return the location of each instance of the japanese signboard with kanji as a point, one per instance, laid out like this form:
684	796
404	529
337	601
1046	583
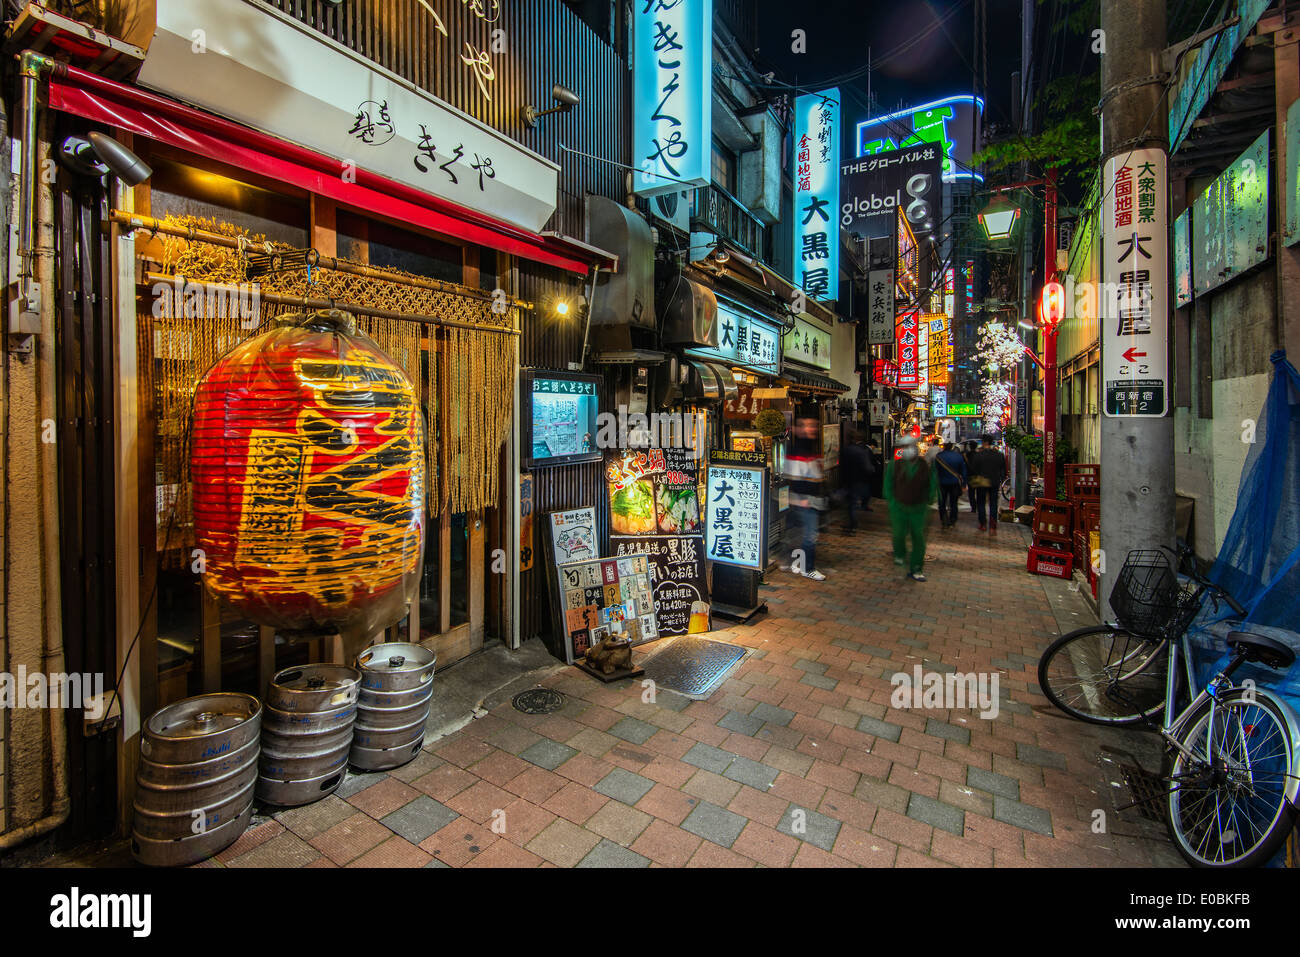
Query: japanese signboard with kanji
735	521
572	537
808	344
880	307
1135	271
908	336
745	340
940	348
875	189
672	94
654	507
608	596
817	194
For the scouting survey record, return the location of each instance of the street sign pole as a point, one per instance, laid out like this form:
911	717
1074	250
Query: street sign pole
1137	436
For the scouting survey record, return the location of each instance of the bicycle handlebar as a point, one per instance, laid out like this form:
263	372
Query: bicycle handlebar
1184	551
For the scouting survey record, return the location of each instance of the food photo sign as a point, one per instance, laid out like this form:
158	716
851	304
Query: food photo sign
654	506
609	596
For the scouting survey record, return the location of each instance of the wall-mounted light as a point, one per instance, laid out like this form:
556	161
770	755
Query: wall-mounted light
562	95
561	308
96	154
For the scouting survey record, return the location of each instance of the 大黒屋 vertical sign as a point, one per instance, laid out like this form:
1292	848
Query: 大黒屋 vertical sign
1135	270
817	194
672	83
735	519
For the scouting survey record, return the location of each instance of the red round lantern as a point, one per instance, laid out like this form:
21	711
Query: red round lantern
308	473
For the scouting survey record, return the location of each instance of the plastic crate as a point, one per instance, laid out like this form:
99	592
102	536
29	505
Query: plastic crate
1050	561
1053	521
1083	481
1087	514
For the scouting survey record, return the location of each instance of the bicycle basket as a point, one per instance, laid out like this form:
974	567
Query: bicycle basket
1146	597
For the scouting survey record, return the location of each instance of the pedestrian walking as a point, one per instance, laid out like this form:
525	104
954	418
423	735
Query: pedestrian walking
988	469
910	489
951	466
968	453
857	466
803	467
932	449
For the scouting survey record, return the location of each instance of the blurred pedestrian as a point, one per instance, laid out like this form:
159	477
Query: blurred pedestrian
932	449
857	467
803	467
910	489
988	469
968	453
951	466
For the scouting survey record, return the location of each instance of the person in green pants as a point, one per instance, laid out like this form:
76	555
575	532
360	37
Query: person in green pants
911	487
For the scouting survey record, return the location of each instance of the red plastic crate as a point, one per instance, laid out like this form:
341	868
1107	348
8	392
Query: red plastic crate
1082	481
1052	521
1087	514
1049	561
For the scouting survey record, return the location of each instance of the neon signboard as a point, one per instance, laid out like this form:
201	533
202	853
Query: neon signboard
672	91
952	123
817	194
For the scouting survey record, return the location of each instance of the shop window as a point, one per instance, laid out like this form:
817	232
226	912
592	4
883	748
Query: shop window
724	167
390	247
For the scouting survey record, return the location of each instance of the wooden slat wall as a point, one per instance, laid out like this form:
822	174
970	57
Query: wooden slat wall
544	43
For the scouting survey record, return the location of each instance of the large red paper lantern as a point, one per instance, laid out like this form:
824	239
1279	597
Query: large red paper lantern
308	474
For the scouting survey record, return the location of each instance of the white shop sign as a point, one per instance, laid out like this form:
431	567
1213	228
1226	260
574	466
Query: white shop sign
734	527
267	71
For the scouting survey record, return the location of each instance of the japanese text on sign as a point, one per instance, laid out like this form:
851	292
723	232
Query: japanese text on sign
817	194
734	517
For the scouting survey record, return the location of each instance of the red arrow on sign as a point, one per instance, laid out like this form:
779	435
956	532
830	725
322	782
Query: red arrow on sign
1132	354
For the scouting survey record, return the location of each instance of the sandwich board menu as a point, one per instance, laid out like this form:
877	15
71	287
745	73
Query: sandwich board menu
654	508
736	510
606	596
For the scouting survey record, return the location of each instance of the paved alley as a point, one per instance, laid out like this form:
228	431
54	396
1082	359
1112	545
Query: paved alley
797	759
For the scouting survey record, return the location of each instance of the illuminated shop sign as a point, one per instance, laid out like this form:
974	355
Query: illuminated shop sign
951	123
745	341
672	129
817	194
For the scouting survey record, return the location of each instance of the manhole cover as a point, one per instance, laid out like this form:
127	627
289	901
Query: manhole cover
1148	790
693	666
538	701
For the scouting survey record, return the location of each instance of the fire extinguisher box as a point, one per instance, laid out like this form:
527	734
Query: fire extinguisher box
1049	561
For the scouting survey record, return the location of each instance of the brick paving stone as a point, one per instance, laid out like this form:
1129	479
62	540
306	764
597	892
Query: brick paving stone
819	681
1033	755
609	854
618	822
349	839
563	843
424	762
419	818
994	783
766	845
879	729
394	852
623	785
741	723
536	784
584	769
286	849
667	803
1022	815
575	802
863	848
633	730
937	814
951	732
805	824
712	787
459	842
253	837
902	830
505	854
666	844
771	714
444	782
715	824
710	855
480	801
709	758
755	774
312	819
548	754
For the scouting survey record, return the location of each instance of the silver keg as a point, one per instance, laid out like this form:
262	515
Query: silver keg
195	782
306	733
393	707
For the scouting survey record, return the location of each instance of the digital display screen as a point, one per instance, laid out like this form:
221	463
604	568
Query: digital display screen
561	414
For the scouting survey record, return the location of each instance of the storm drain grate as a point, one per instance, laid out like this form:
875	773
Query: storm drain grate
1148	790
538	701
693	666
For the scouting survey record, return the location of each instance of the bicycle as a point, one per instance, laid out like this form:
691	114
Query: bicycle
1231	754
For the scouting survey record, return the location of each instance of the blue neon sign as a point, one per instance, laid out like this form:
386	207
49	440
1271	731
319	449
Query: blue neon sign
952	122
672	93
817	194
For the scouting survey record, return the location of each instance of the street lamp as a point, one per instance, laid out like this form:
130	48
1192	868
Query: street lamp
999	218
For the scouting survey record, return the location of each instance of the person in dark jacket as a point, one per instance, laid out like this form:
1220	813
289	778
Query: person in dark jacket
950	466
803	467
910	489
988	469
857	467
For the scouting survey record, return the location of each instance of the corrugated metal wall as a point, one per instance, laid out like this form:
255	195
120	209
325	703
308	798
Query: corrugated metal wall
531	45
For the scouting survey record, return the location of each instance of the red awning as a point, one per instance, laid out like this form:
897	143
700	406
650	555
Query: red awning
158	118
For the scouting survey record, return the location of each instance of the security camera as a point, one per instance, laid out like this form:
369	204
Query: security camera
96	154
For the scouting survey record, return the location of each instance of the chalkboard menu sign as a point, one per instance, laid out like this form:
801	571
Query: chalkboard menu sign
677	577
655	511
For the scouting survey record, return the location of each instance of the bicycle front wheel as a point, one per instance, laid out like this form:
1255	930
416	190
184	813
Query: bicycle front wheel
1104	675
1229	805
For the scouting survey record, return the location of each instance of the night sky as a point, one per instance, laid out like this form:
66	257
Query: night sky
939	64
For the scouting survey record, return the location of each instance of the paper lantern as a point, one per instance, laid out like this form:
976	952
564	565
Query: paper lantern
308	473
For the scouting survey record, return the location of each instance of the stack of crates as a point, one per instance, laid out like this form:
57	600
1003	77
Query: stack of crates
1083	492
1050	553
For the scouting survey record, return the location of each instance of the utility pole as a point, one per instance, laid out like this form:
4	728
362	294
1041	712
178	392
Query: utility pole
1137	428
